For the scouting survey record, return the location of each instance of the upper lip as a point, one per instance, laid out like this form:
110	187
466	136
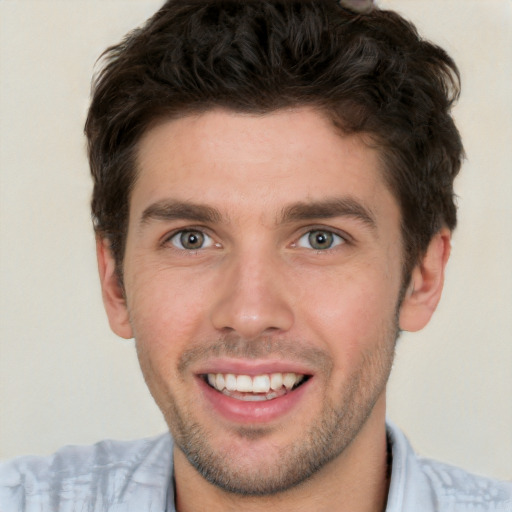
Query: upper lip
252	367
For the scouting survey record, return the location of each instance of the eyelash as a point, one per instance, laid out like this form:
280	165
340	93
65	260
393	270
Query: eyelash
336	239
176	240
177	235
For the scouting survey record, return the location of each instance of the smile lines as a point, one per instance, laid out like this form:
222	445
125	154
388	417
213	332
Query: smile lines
269	385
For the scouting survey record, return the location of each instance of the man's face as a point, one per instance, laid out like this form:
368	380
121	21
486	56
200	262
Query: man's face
262	252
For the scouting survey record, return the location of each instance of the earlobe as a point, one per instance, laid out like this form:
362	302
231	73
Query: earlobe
113	295
426	284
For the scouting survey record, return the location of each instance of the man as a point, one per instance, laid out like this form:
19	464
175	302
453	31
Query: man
273	203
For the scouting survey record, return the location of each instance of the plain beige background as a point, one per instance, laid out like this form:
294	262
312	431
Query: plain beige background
64	378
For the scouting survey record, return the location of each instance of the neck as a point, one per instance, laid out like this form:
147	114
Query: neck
356	481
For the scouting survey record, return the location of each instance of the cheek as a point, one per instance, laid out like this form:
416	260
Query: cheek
167	309
354	310
164	317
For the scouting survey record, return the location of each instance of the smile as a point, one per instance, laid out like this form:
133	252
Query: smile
255	388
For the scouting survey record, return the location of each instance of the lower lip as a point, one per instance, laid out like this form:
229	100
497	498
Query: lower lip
240	411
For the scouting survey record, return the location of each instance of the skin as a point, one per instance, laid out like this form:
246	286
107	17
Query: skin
257	297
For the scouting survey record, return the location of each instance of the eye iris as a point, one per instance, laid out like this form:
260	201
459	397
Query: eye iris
320	239
192	239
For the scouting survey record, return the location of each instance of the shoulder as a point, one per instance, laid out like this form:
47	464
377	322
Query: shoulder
457	489
425	485
89	477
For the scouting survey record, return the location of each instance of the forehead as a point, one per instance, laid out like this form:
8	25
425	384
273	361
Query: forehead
250	162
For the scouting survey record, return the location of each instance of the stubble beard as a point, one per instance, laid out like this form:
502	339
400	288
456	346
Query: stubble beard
328	436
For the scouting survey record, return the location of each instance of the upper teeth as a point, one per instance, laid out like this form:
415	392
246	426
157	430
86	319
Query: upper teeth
255	384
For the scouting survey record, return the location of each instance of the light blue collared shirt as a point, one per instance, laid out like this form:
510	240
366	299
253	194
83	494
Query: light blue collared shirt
136	476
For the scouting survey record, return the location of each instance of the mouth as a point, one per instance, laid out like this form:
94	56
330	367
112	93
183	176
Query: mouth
255	392
256	388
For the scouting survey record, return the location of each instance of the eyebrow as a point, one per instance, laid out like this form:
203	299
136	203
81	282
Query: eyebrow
329	208
169	209
172	210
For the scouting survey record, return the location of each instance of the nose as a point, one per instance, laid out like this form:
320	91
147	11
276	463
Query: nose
252	298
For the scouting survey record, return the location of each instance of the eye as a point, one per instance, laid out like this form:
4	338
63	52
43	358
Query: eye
320	239
191	240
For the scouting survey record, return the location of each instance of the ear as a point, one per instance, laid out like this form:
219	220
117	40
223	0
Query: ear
112	290
426	284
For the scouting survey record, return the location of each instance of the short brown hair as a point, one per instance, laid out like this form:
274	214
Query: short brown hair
370	73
